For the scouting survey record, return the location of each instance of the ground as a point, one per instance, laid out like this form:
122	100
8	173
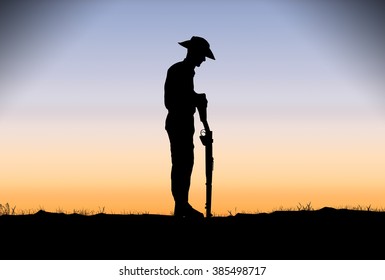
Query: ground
296	235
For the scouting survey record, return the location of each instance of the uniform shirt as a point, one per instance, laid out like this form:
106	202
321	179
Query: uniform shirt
179	95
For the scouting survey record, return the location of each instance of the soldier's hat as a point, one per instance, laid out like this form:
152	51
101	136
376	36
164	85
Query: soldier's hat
198	44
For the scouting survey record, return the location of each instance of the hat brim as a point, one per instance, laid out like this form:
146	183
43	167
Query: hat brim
206	51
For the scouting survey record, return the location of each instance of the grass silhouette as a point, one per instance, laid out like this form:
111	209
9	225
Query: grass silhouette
7	209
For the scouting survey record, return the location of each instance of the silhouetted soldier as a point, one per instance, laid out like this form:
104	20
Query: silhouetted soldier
181	102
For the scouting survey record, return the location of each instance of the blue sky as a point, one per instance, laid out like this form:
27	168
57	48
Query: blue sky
124	47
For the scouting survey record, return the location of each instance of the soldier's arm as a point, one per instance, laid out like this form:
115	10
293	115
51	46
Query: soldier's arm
201	104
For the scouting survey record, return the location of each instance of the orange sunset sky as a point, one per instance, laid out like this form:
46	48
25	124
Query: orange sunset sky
296	104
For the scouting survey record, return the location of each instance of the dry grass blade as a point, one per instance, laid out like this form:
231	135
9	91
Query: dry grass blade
7	210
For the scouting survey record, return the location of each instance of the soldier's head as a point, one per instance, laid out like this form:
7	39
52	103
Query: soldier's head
197	50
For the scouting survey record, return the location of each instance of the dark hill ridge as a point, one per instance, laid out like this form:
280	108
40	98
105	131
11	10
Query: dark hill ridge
318	234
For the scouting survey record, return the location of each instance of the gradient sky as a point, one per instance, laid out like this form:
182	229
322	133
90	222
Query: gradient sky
296	103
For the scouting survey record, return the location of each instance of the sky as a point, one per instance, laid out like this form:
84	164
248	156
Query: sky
295	102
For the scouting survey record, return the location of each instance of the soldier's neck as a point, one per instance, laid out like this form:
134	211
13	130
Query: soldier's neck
190	61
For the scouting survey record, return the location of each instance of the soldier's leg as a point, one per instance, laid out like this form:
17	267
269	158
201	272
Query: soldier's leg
181	175
182	157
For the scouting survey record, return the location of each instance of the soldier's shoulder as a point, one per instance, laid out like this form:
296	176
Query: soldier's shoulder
176	65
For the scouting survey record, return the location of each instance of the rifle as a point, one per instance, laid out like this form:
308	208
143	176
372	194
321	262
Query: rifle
206	136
